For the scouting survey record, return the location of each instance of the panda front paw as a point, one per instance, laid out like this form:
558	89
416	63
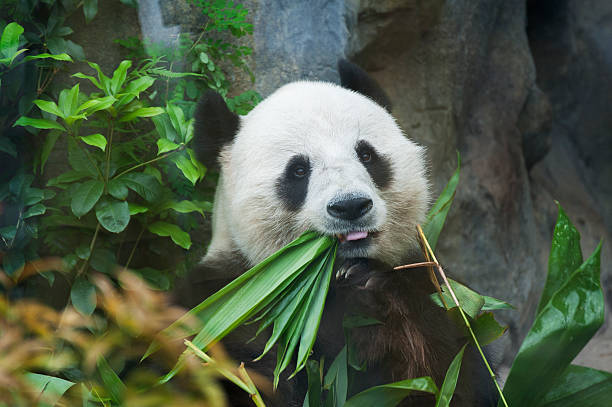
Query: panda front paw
360	273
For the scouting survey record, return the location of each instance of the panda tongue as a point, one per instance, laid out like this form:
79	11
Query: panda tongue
356	235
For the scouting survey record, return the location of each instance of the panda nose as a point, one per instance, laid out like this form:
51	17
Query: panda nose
349	209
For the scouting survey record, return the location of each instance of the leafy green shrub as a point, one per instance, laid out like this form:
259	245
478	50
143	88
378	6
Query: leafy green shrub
114	178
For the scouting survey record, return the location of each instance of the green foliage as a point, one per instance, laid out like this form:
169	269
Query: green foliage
206	52
288	290
114	180
571	311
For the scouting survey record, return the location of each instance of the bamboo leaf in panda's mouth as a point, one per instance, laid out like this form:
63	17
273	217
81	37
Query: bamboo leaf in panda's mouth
286	290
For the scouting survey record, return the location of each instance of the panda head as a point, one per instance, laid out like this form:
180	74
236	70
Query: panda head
313	156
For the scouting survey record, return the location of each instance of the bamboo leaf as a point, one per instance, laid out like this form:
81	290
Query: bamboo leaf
119	76
443	398
437	214
50	388
58	57
112	382
389	395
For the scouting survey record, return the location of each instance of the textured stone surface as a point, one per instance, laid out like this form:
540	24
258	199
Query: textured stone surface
298	40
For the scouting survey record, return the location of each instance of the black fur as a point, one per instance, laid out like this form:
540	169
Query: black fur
292	188
378	166
354	78
215	126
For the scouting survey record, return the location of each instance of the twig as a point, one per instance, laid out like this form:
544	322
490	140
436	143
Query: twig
416	265
465	319
249	388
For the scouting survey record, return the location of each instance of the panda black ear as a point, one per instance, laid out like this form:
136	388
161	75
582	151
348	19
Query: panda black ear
215	126
354	78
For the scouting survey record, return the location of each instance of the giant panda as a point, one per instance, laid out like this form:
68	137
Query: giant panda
331	158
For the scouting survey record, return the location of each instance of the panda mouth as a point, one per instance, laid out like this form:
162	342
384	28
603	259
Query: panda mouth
354	236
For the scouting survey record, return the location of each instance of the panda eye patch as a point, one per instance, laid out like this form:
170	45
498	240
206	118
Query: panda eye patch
378	166
292	185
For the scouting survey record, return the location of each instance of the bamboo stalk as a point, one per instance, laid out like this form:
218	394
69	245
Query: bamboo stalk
465	319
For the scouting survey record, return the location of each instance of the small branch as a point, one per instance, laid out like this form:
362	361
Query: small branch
108	153
416	265
91	246
161	157
432	275
127	263
465	319
211	362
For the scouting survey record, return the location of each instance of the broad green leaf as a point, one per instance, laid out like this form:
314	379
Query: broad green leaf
565	257
96	140
83	296
142	112
103	80
580	386
58	57
80	161
49	107
178	235
93	80
165	145
69	100
103	260
443	398
47	147
487	329
38	123
32	196
36	210
164	128
50	388
143	184
437	214
113	215
389	395
118	189
471	302
135	209
177	119
86	196
187	168
492	304
66	177
157	279
184	207
561	329
9	42
112	382
134	88
119	76
94	105
197	164
90	9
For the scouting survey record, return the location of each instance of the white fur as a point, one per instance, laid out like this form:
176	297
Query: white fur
324	122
